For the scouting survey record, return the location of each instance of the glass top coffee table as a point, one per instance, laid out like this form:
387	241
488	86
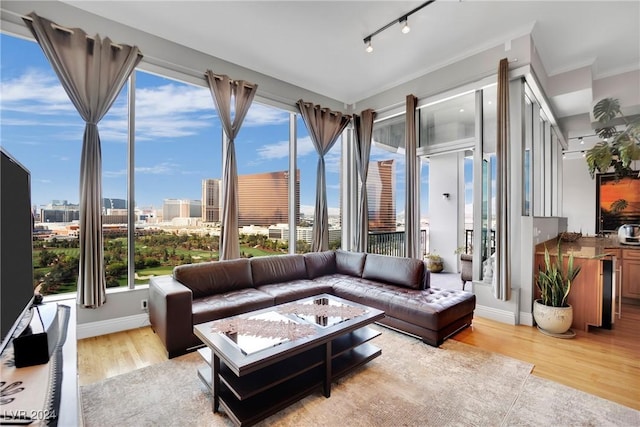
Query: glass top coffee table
263	361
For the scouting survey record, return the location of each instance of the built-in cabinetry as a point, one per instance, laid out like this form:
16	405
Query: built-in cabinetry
630	273
609	270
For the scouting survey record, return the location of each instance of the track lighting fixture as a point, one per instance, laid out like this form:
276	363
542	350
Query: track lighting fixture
402	20
405	26
369	48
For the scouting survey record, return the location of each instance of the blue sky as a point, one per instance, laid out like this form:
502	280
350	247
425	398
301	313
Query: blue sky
178	137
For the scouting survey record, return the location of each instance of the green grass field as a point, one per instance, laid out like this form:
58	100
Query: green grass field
142	275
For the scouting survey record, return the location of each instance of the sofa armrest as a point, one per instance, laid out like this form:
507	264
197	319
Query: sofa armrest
426	278
170	313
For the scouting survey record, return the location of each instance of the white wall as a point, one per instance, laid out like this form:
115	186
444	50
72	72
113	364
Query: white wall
579	196
121	312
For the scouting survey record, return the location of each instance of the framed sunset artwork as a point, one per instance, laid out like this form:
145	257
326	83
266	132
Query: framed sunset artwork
617	201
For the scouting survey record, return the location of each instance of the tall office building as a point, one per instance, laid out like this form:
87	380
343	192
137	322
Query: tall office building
263	198
211	200
381	195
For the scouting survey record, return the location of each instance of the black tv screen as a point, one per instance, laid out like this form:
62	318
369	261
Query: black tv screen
16	226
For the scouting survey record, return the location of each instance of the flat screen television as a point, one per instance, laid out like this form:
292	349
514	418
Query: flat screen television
16	227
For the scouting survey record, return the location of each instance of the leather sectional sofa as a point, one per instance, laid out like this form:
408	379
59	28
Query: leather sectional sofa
202	292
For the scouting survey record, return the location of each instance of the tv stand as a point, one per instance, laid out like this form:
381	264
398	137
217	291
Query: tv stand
68	412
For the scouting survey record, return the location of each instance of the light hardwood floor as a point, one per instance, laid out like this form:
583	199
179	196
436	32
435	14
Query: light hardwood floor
601	362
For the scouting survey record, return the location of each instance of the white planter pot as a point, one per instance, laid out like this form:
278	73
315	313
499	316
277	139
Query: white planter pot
556	320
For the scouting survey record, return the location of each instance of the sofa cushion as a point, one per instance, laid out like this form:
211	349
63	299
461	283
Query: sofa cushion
320	263
296	289
351	263
276	269
215	277
215	307
407	272
431	308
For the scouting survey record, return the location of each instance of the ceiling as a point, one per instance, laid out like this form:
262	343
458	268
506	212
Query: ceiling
318	45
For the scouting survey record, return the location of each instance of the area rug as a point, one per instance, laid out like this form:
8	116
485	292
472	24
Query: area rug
410	384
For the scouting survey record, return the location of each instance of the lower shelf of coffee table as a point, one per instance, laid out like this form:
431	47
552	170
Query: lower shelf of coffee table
253	397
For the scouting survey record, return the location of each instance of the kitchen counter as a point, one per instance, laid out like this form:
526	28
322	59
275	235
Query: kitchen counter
585	247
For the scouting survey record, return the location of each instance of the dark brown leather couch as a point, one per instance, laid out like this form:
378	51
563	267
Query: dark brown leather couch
198	293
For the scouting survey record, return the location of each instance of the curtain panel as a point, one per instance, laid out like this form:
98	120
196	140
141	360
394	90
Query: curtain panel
412	199
363	126
223	90
92	71
501	275
324	126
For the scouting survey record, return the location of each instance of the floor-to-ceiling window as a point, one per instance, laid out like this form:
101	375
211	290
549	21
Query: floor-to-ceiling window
262	149
446	137
176	171
43	130
177	148
307	164
488	206
386	187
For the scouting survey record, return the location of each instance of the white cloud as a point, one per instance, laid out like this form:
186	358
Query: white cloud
33	90
164	168
172	110
261	115
280	149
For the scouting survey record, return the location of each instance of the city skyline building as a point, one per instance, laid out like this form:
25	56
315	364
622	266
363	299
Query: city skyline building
263	199
181	208
381	195
211	200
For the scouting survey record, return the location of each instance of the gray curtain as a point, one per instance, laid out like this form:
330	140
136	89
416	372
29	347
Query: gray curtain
324	126
363	126
411	217
222	90
501	274
92	71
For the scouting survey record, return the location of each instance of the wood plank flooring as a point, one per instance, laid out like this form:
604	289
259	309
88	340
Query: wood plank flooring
600	362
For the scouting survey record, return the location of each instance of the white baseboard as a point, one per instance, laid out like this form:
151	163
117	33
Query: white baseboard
526	319
493	313
103	327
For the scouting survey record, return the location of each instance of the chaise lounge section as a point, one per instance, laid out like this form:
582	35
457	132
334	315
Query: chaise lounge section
198	293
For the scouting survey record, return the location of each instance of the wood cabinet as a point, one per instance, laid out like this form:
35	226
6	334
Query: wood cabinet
589	292
631	273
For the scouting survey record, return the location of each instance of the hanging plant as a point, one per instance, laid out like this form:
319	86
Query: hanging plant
618	148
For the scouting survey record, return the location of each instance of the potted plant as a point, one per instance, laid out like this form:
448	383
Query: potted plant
619	147
551	312
434	262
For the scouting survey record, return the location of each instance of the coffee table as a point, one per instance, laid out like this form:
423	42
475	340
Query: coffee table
260	362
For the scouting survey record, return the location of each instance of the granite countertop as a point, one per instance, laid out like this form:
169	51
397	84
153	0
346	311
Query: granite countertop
585	247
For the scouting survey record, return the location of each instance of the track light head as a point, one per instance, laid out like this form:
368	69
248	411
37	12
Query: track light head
405	25
369	48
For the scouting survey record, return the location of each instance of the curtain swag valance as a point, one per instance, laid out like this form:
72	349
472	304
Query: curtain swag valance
71	31
325	127
223	90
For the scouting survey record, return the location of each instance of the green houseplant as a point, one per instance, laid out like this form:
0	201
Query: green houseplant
619	147
551	312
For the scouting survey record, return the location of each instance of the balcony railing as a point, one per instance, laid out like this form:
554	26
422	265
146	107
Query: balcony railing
468	245
392	243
